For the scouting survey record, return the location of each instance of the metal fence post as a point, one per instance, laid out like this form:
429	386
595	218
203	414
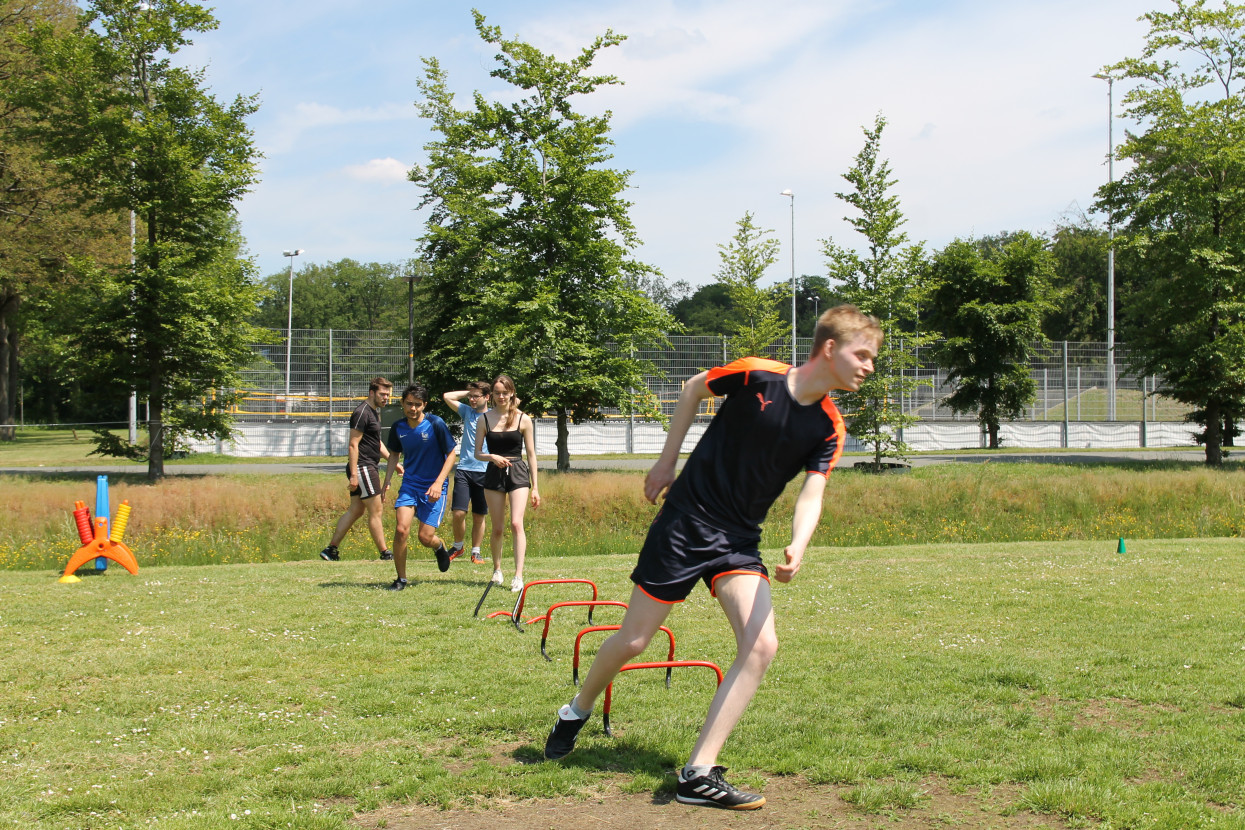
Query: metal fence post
1065	436
1142	432
329	429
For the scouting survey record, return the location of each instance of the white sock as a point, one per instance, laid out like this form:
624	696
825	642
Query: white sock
475	551
570	710
458	546
691	771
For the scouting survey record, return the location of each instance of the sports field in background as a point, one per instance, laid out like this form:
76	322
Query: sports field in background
1033	684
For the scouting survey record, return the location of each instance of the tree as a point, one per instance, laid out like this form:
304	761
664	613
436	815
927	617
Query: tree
112	112
988	299
743	262
40	220
338	295
708	311
1182	208
885	282
529	241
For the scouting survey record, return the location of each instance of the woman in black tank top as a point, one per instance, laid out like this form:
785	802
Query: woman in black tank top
508	478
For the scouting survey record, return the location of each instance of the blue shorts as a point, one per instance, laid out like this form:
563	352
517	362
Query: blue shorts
427	511
680	550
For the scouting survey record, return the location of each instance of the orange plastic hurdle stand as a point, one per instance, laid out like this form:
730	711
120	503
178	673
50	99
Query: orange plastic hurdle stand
102	543
590	629
664	664
548	617
515	615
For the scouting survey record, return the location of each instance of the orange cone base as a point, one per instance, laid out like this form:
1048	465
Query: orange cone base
116	551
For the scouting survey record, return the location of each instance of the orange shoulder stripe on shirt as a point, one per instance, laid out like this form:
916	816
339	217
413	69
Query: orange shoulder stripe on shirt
748	364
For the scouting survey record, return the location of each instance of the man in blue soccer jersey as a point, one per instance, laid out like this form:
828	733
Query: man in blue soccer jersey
775	422
428	452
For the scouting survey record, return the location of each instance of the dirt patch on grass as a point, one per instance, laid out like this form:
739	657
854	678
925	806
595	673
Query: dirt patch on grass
791	804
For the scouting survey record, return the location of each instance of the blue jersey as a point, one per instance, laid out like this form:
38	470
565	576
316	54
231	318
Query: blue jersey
467	455
424	448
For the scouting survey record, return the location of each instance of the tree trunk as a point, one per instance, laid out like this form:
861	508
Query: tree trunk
155	431
9	304
564	438
993	428
1214	435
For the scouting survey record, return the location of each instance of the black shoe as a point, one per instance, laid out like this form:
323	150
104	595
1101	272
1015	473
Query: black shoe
562	737
330	554
398	585
443	559
712	791
386	555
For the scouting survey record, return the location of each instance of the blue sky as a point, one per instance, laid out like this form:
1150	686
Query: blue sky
995	122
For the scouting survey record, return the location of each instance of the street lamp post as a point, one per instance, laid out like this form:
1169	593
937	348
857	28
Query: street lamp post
289	326
410	280
791	195
1110	249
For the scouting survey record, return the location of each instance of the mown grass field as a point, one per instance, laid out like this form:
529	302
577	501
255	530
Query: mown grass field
1065	681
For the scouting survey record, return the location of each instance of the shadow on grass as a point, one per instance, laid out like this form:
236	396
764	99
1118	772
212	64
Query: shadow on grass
621	756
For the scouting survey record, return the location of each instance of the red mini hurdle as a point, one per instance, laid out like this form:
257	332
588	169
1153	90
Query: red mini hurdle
580	636
548	617
518	604
665	664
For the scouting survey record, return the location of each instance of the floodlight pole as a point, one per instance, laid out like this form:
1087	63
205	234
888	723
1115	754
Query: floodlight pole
791	195
289	325
1110	248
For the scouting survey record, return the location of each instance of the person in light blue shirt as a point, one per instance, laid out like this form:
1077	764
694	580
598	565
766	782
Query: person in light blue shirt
428	453
470	404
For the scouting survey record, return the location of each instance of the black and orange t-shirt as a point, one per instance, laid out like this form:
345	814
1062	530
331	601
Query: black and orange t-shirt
760	439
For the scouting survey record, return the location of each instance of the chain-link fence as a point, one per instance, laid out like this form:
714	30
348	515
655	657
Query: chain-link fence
329	372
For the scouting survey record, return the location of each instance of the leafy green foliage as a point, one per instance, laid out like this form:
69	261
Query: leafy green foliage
744	261
140	134
885	282
337	295
1182	207
988	299
528	241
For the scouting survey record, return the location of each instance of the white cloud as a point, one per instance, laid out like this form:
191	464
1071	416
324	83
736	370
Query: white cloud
386	170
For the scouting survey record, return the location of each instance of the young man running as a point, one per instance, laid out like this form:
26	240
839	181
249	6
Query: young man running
428	452
469	476
363	456
776	421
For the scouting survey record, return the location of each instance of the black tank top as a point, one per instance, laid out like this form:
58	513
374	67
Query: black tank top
508	444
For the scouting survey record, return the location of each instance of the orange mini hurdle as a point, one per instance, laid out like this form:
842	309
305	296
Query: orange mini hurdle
590	629
548	617
664	664
516	614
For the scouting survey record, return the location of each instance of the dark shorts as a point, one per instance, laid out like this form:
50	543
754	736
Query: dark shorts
369	481
679	550
469	489
507	479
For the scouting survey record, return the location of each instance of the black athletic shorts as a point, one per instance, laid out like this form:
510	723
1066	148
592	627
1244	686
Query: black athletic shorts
369	481
507	479
469	489
679	550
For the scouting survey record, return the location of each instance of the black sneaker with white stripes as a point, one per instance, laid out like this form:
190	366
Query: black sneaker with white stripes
711	790
562	737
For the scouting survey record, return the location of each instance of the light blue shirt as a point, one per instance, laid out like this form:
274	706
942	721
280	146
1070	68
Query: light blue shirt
467	455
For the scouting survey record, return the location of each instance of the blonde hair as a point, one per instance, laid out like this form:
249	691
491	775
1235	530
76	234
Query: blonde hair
842	323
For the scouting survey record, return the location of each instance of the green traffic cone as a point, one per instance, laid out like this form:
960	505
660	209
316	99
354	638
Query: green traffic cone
1121	549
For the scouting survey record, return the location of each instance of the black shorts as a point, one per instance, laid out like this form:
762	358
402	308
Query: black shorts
469	489
507	479
369	481
680	550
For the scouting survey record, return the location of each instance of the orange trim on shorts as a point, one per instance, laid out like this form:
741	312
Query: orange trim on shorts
713	591
655	599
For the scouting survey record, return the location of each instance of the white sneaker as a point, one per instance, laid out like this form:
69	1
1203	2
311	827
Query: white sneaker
516	584
498	579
